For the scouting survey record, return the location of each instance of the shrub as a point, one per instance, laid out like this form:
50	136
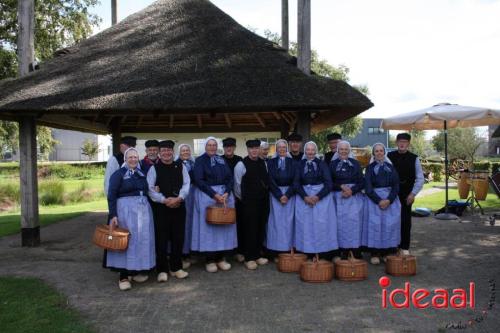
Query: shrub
84	194
437	170
482	165
495	167
51	192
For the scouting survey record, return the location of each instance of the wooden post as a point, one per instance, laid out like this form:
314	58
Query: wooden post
30	226
25	37
284	25
114	12
304	36
304	59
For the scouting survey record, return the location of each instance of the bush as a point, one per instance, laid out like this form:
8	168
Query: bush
437	170
51	192
84	194
482	166
495	167
65	171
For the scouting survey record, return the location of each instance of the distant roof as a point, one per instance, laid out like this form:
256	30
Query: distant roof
181	63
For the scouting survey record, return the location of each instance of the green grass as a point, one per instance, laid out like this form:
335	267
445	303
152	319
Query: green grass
10	222
436	200
29	305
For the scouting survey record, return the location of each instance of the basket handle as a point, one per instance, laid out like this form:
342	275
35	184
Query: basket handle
350	256
225	206
316	259
111	228
292	252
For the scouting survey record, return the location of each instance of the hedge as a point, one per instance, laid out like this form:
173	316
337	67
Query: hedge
437	170
59	170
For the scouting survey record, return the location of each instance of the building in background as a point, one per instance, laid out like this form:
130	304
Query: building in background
494	140
370	134
70	146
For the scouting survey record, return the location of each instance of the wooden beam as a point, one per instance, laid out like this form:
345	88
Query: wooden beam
25	36
30	224
284	24
277	115
114	12
304	36
228	120
171	121
200	123
71	122
259	119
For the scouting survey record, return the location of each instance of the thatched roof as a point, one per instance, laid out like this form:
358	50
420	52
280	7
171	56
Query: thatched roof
181	63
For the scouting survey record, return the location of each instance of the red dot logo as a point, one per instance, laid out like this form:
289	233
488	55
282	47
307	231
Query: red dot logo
384	282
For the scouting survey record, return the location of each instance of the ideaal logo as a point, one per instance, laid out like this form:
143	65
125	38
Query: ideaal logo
419	298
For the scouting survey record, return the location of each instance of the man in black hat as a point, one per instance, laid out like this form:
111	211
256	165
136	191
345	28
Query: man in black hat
229	145
169	183
411	178
251	186
152	149
333	139
115	162
295	146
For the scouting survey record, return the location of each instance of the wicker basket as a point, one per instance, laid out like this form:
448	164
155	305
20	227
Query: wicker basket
351	269
290	262
316	271
111	238
221	215
401	265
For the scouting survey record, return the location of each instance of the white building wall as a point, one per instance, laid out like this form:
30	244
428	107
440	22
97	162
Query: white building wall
71	142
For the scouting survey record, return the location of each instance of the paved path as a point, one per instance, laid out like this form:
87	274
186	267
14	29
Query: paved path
450	254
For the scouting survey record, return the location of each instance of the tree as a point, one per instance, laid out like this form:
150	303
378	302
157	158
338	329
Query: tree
58	23
348	128
419	145
463	143
90	149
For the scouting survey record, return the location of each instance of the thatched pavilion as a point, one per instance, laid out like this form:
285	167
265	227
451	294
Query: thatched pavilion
176	66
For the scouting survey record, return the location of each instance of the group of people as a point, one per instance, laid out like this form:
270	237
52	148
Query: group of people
294	199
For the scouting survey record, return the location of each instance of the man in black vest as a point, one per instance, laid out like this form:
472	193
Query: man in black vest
411	180
229	145
169	182
115	162
251	186
295	146
333	140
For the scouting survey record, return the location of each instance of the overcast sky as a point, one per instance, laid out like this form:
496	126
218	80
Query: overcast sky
411	54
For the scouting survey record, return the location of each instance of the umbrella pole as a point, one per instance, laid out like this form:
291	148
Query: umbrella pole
446	215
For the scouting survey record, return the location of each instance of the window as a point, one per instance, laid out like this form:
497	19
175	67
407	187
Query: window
375	130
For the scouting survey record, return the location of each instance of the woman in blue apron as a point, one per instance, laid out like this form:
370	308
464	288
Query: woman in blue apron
348	181
382	229
315	220
129	209
280	225
214	183
184	154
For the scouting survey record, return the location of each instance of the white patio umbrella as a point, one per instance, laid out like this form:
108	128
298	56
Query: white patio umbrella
443	116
